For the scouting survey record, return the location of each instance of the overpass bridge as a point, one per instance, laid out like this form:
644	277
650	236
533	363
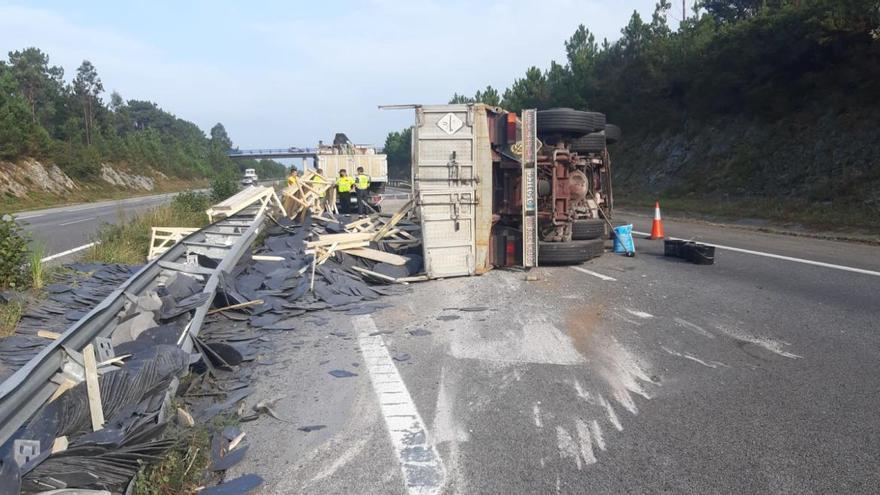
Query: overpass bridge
273	153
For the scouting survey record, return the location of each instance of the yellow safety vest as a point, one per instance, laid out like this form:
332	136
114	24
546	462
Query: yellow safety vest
363	181
291	180
343	184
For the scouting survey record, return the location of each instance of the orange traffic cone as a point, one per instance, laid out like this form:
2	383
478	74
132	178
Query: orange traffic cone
657	226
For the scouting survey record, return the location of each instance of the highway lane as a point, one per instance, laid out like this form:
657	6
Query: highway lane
66	227
638	375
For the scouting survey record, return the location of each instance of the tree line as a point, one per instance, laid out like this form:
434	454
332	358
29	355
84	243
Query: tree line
765	59
69	123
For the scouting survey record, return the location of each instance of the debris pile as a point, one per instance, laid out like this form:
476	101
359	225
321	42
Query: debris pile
73	294
109	411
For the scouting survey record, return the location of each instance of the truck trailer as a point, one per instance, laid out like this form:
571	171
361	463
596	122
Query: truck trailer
494	188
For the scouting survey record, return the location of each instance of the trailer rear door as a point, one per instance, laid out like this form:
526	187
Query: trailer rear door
443	179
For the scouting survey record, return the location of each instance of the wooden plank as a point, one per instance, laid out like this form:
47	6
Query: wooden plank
263	257
255	302
46	334
328	239
342	246
114	360
65	385
59	445
374	274
92	388
395	219
376	255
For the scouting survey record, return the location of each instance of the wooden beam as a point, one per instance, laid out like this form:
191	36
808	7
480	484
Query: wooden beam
374	274
376	255
263	257
92	388
46	334
255	302
64	386
328	239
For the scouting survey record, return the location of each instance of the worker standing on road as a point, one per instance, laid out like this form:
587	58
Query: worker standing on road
343	187
362	185
291	179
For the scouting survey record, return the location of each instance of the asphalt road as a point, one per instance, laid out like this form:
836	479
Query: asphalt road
641	375
67	227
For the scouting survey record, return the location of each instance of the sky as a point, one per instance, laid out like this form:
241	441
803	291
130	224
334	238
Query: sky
290	73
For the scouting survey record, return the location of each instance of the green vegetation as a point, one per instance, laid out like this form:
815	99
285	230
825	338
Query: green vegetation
13	255
67	123
748	101
10	313
36	269
398	148
128	241
181	470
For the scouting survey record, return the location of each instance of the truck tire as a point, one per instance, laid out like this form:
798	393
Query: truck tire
591	228
591	143
612	133
569	121
569	253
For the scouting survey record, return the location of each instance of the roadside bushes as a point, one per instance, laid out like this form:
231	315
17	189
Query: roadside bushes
13	254
191	202
223	186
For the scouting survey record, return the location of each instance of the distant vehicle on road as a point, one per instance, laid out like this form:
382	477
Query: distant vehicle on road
250	177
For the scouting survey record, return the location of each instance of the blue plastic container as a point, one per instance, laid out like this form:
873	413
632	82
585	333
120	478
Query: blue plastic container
623	239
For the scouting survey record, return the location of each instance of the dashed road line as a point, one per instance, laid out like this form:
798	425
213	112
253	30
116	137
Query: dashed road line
422	467
76	221
779	257
597	275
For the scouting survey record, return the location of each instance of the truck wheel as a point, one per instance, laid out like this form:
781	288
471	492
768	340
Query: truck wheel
591	143
612	133
591	228
569	121
569	253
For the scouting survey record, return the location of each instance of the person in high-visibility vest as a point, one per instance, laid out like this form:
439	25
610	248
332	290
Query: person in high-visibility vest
291	179
343	189
362	187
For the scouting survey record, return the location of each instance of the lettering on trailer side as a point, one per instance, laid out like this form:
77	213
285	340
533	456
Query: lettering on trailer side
530	187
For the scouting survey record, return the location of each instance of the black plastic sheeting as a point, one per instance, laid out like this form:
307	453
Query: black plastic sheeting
287	294
131	397
68	299
132	394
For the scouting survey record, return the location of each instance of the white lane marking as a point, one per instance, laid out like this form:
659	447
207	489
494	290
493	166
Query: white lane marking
640	314
781	257
597	275
69	251
693	327
76	221
421	464
536	411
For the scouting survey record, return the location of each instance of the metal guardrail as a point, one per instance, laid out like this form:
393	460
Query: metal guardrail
23	393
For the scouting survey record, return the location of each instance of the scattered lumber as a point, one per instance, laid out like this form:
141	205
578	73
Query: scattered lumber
376	255
46	334
92	388
255	302
262	257
243	199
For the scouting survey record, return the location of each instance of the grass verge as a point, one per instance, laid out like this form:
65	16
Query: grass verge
128	241
10	313
181	470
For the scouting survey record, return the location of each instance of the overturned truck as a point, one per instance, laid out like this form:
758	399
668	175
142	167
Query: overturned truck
497	189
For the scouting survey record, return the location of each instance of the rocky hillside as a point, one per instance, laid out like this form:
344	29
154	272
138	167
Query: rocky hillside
30	182
828	159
